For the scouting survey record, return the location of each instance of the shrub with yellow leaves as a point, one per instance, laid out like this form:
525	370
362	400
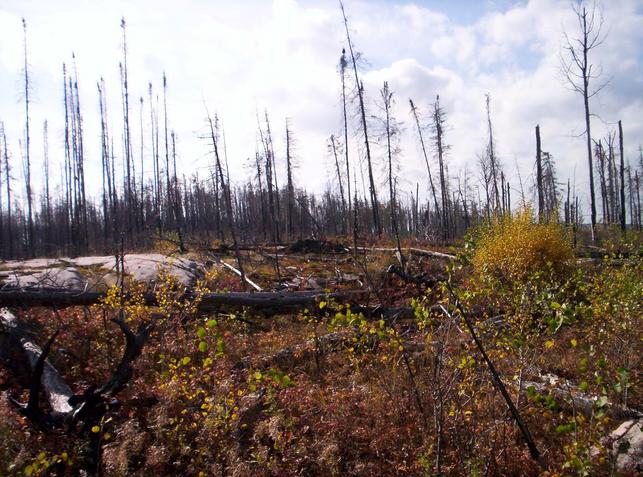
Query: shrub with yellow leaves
514	247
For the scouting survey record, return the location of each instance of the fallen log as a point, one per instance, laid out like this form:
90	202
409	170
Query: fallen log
412	250
25	297
13	335
570	397
65	407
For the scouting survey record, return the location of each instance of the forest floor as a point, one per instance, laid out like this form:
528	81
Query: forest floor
381	378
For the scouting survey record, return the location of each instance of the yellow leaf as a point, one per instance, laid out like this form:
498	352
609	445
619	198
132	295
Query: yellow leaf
96	429
549	344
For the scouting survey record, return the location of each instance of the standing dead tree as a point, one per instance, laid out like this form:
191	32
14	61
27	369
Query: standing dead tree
343	64
391	132
439	119
333	146
577	69
290	184
539	176
359	86
27	165
225	186
416	118
493	160
622	175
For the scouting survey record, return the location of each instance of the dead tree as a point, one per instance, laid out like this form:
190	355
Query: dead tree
601	167
66	408
493	161
439	119
539	177
225	186
47	198
392	131
415	114
176	200
333	146
7	178
290	184
622	174
343	64
108	203
359	86
30	225
579	76
127	146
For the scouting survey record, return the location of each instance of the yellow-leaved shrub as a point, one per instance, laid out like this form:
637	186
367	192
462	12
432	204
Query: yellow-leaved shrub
514	247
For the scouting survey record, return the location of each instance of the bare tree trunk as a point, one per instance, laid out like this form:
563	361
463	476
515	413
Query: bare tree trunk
226	192
620	145
493	163
30	229
176	201
360	92
539	177
339	181
426	158
48	224
438	122
129	203
343	64
7	175
290	185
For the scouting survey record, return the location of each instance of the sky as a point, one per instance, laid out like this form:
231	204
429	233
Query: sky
243	57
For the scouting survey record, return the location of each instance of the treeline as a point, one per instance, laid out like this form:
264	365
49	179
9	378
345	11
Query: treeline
132	209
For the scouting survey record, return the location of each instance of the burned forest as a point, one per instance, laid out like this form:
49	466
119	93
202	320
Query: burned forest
359	257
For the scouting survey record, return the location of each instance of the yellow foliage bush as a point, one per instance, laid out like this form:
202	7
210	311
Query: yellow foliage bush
515	247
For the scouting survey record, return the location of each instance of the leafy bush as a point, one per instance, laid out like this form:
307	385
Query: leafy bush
514	246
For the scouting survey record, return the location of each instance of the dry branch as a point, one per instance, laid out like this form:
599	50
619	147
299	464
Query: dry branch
243	276
65	406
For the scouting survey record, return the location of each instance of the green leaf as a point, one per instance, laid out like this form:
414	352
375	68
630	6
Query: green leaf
200	332
211	323
203	346
185	361
601	401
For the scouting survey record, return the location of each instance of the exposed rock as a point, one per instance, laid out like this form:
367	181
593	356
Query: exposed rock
94	271
627	446
68	278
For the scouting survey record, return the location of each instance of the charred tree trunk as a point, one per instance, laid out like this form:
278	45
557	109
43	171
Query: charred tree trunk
622	173
360	93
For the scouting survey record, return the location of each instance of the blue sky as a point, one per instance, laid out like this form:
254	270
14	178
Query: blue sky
281	55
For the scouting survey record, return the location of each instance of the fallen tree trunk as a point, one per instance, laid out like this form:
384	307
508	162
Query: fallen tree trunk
412	250
13	335
65	407
22	297
570	397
